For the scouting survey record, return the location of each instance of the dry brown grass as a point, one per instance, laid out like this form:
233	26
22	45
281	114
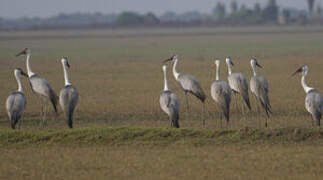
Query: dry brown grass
172	162
119	77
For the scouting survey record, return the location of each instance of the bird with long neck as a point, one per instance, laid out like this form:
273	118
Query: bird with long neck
16	101
221	93
238	83
169	102
68	97
188	84
260	88
313	99
40	86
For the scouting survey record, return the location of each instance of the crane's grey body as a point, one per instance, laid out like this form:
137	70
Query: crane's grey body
260	88
68	96
190	85
314	105
16	101
169	103
15	104
68	99
42	87
221	93
313	99
238	83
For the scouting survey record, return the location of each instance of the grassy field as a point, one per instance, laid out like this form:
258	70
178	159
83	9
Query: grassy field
119	78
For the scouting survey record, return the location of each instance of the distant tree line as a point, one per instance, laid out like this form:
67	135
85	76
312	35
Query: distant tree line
235	14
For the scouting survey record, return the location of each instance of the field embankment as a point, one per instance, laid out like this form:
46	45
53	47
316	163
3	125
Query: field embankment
156	136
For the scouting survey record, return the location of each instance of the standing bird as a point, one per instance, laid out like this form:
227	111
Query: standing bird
68	96
40	86
238	83
313	99
169	102
188	84
260	88
16	101
221	93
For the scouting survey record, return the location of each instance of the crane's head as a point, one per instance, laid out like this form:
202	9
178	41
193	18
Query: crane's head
65	62
303	69
24	52
165	67
172	58
229	61
217	62
19	72
254	62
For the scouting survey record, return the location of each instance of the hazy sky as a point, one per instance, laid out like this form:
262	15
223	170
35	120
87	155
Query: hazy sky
45	8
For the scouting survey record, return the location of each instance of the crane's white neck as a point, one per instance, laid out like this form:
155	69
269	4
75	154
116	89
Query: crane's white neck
18	78
253	66
217	76
306	88
67	82
29	71
165	80
176	74
229	68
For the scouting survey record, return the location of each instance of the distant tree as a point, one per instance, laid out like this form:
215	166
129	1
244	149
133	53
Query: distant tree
130	18
219	11
234	6
310	4
151	19
257	8
270	12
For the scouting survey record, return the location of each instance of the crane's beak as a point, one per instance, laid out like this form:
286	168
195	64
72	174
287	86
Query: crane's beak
169	59
258	64
23	73
21	53
299	70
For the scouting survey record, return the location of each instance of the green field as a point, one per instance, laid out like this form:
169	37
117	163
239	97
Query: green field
119	77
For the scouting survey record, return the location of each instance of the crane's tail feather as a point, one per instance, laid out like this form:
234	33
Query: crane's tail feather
70	120
246	99
174	118
53	99
14	120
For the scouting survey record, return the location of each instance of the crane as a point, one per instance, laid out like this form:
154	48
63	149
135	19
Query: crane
313	99
188	84
260	88
238	83
40	86
68	96
16	101
169	102
221	93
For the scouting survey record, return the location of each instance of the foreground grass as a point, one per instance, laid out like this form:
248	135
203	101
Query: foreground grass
154	136
161	153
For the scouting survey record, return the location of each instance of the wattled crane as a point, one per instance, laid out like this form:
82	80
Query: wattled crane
238	83
169	102
260	88
313	99
188	84
221	93
16	101
68	96
40	86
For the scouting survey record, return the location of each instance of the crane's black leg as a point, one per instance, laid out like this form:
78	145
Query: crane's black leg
202	115
187	106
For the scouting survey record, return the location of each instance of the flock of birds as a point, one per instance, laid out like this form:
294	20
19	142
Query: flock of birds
16	101
221	92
